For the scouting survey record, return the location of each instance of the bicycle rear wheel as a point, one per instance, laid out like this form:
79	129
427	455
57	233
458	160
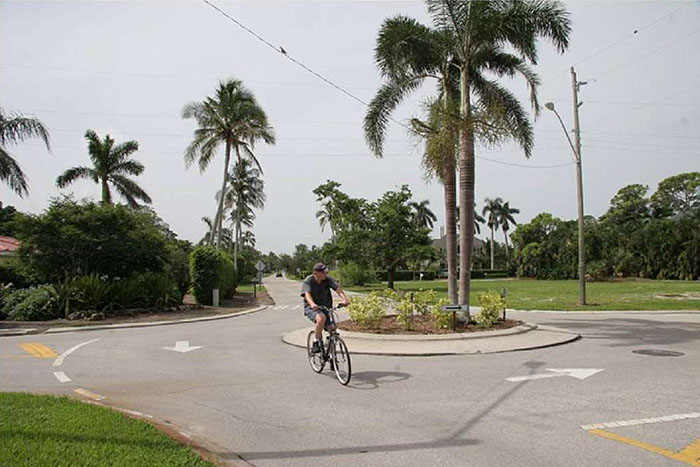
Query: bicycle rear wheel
341	361
315	359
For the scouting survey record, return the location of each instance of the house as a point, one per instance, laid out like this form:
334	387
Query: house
8	247
440	244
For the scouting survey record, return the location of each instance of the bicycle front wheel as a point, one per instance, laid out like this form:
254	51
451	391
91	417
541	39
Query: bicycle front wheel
315	359
341	361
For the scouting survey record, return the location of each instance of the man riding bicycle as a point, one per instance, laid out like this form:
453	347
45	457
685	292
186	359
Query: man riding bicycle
316	291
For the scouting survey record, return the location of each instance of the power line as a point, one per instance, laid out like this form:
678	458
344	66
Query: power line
282	52
623	39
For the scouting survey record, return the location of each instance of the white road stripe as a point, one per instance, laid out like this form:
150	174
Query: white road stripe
91	395
284	307
59	360
61	376
297	307
642	421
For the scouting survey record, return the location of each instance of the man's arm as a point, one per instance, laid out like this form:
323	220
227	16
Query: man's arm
310	301
341	294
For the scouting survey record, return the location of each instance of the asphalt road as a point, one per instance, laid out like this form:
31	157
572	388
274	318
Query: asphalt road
254	400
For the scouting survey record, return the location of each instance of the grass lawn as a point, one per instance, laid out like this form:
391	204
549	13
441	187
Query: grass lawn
527	294
57	431
249	288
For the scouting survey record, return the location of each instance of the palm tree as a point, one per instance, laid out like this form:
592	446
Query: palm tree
14	129
492	210
506	218
422	215
407	54
226	235
478	36
246	193
111	165
247	239
232	117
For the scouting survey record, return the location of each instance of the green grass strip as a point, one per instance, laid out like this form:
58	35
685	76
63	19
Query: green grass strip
528	294
58	431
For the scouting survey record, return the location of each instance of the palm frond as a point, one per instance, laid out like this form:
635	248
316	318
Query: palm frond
76	173
11	173
130	190
16	128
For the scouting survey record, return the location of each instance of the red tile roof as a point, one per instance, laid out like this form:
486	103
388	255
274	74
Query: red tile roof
8	244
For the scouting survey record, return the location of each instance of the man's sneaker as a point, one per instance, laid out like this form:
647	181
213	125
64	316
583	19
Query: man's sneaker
316	347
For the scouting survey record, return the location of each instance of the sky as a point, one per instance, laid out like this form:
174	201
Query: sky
127	68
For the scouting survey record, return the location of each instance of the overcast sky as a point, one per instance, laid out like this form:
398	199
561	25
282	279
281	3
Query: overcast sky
127	68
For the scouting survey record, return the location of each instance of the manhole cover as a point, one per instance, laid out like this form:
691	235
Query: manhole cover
659	353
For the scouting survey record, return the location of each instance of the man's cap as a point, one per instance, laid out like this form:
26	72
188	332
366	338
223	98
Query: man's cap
320	267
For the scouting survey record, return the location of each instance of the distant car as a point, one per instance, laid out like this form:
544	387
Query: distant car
279	274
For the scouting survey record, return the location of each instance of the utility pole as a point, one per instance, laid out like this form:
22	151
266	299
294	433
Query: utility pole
579	184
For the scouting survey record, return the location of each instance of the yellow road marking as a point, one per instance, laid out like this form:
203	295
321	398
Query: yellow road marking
91	395
38	350
689	455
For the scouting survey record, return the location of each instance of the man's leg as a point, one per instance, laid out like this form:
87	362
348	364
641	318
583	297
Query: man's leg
320	322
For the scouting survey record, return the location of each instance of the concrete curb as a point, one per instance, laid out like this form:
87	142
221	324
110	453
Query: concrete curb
16	332
524	337
156	323
606	312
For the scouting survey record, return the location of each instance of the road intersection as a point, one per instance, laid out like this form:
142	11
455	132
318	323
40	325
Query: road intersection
239	390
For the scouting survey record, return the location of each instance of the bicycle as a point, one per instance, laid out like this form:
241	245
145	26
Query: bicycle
334	351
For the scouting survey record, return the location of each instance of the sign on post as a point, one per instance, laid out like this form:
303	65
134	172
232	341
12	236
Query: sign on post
454	309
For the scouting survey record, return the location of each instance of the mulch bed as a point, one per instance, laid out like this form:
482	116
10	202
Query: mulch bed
422	324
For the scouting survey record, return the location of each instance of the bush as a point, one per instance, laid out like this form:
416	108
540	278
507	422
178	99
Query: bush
32	304
382	276
211	268
423	300
489	273
355	274
404	311
17	273
367	310
492	306
443	319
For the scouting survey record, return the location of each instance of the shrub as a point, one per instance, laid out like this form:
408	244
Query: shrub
423	300
5	290
404	311
443	319
211	268
367	310
18	274
492	306
355	274
32	304
93	292
158	289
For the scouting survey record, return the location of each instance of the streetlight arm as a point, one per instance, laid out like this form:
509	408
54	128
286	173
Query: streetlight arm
568	138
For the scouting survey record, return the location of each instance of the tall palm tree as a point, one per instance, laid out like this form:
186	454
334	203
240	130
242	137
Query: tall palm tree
325	216
226	235
408	53
492	210
248	239
246	192
233	117
111	165
422	215
479	36
506	218
14	129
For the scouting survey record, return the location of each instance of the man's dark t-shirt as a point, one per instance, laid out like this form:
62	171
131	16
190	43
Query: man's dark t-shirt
320	291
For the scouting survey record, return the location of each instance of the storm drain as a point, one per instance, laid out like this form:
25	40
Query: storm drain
659	353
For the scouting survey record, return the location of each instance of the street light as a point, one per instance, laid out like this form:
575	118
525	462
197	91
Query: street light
579	183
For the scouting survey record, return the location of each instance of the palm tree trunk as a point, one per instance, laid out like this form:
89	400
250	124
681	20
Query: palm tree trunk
106	195
450	187
218	222
466	190
237	232
505	237
492	241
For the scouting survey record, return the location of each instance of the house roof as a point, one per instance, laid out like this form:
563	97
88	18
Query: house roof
8	244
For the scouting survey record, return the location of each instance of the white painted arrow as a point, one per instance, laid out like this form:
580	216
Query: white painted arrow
183	346
578	373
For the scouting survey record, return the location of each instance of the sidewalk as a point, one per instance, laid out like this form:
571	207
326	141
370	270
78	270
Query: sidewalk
523	337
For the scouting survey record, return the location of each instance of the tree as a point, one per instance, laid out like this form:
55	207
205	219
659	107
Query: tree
422	215
506	218
233	117
206	240
14	129
677	194
246	192
395	237
471	37
492	211
407	54
111	165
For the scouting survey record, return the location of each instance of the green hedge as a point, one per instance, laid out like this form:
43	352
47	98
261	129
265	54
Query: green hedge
489	273
211	268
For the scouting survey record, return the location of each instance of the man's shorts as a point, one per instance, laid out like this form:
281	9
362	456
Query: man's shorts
311	313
